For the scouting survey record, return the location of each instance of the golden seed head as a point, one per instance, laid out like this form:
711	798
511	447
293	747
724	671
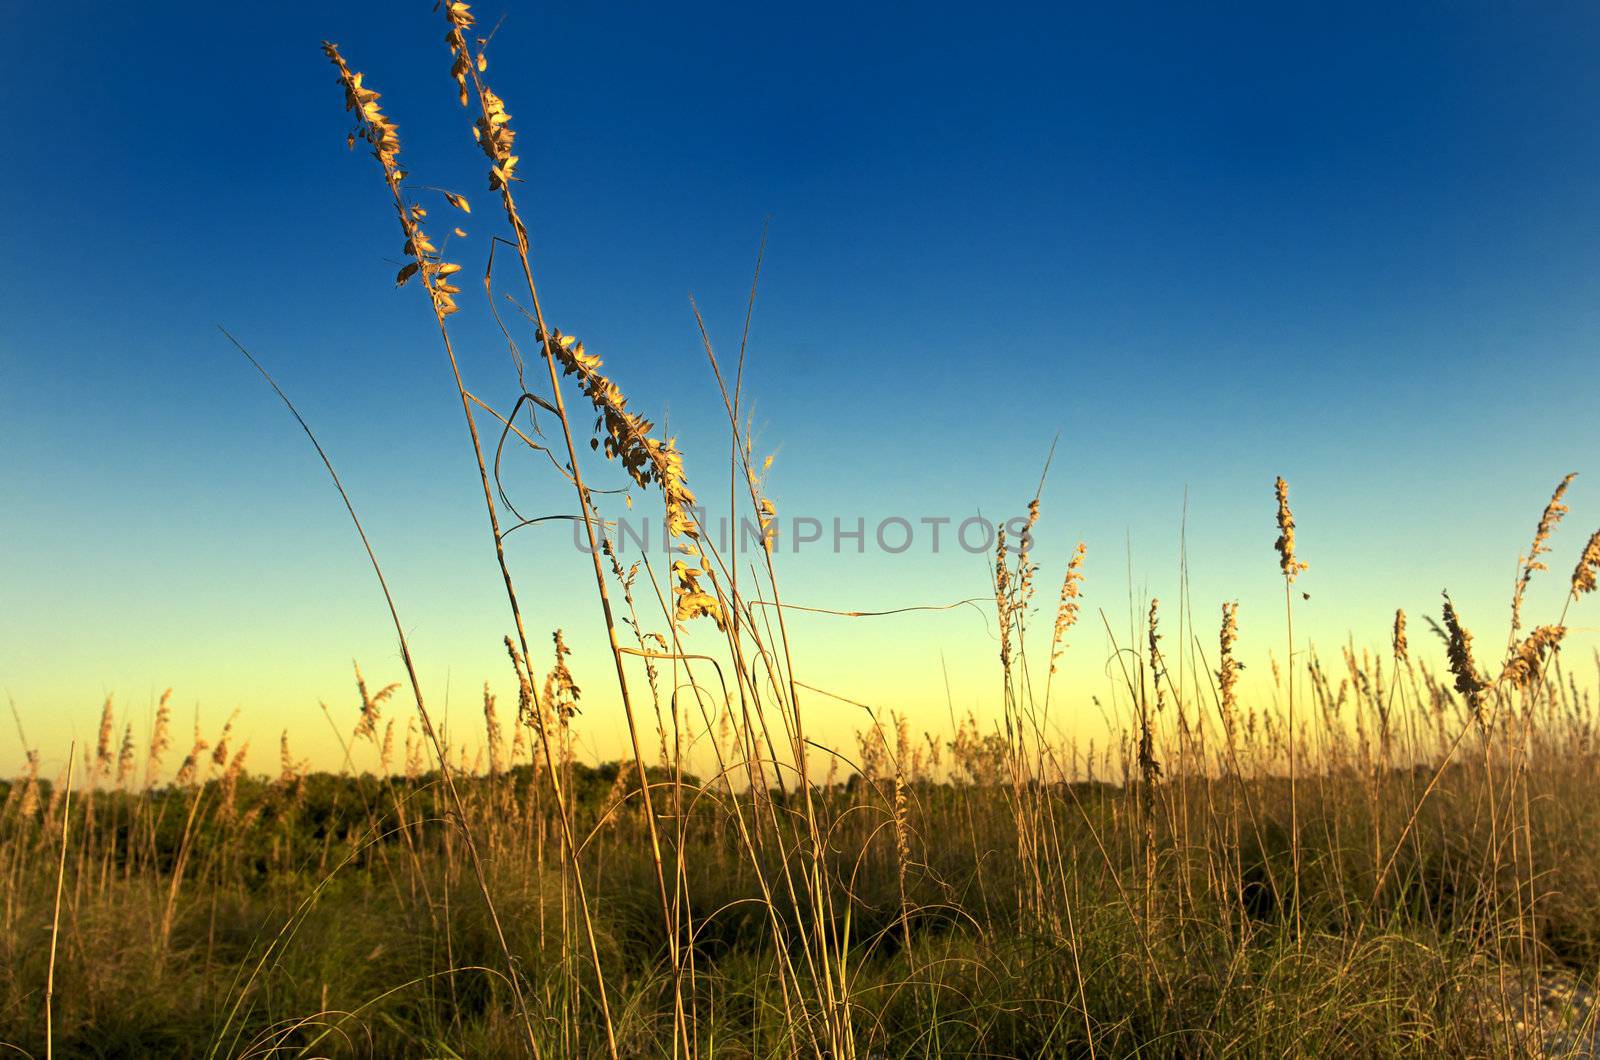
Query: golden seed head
646	459
1548	520
29	799
902	830
1002	596
102	753
125	756
1227	667
1025	569
527	714
413	751
376	129
1285	544
191	762
371	706
290	769
160	737
1584	574
1153	638
1527	659
561	693
386	752
219	753
1067	608
491	725
1458	645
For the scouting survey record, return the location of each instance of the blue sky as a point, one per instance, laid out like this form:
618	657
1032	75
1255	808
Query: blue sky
1355	247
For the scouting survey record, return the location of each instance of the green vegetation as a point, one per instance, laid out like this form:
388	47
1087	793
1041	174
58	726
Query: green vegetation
335	915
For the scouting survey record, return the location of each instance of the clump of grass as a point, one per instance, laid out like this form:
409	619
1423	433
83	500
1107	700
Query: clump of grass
993	889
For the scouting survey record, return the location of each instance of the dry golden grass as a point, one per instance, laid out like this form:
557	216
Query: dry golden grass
1394	860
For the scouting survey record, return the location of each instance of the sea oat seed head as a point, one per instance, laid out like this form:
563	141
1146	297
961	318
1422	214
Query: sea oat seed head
1548	520
1527	659
1458	645
1227	666
1067	607
1584	574
1285	544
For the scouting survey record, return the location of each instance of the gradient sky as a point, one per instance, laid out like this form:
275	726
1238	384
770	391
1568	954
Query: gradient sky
1357	247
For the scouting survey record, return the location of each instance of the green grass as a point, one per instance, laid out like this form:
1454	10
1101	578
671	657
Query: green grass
305	935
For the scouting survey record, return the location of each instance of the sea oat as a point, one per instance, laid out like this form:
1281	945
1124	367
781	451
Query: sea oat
526	710
902	831
1153	639
1067	607
125	756
286	763
191	763
386	751
646	459
628	435
413	751
219	754
1291	566
491	725
1002	599
766	511
1584	574
1458	645
160	738
376	129
1025	569
28	803
519	743
1527	658
371	706
561	693
229	782
1227	666
1541	544
102	750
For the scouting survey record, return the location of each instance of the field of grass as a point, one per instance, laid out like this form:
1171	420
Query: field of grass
1371	855
957	896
